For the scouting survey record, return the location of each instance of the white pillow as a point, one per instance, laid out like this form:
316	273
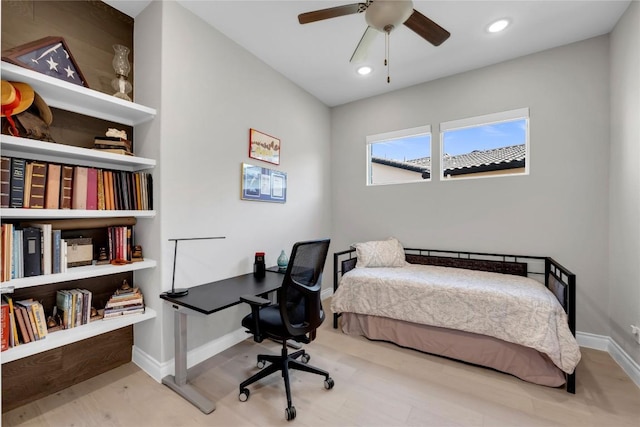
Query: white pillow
380	253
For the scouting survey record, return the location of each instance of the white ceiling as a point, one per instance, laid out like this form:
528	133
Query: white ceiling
316	56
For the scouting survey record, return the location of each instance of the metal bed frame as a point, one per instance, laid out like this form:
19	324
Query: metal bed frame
555	277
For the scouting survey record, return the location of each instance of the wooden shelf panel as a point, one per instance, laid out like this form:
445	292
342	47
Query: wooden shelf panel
77	273
69	336
78	99
59	153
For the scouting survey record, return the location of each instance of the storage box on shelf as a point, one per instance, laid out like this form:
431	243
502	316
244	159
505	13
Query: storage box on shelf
81	100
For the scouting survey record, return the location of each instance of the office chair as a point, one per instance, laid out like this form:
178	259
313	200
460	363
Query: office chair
296	316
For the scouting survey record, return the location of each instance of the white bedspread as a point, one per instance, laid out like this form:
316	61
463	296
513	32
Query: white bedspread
512	308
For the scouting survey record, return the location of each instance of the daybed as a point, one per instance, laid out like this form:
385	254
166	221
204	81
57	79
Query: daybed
514	314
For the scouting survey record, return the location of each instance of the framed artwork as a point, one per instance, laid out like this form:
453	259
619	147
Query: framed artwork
49	56
263	184
264	147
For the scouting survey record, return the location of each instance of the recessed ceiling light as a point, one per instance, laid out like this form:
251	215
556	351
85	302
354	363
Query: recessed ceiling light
364	70
498	26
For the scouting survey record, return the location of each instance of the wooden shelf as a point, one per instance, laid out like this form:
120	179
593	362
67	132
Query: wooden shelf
79	99
79	333
59	153
76	273
16	213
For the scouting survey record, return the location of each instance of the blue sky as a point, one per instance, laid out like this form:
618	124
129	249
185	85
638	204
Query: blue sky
457	141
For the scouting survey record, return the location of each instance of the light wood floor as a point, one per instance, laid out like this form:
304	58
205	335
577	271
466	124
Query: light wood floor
377	384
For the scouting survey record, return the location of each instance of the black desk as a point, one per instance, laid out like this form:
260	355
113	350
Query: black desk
203	300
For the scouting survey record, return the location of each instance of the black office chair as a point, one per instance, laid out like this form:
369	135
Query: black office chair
296	316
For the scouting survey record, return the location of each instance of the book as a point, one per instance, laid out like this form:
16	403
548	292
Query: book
112	150
5	181
92	189
119	313
113	141
32	251
56	237
101	196
24	333
14	321
66	187
52	198
28	174
36	314
16	196
63	303
79	191
46	246
5	322
37	185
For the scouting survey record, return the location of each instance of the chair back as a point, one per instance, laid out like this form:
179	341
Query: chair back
299	296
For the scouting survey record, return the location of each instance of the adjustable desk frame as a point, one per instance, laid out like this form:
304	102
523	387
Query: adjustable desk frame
204	300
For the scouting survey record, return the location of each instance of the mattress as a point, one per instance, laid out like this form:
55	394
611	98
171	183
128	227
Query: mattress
514	309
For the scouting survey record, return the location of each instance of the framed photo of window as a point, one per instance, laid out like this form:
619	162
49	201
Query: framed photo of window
264	147
50	56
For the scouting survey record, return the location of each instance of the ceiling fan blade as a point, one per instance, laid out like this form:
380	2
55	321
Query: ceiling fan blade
362	50
426	28
332	12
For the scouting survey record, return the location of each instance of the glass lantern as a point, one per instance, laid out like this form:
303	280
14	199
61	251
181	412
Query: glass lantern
122	67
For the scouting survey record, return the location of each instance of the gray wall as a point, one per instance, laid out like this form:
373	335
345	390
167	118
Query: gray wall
624	199
209	91
559	210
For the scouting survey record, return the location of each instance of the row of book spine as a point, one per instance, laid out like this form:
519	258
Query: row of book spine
23	322
74	307
38	249
42	185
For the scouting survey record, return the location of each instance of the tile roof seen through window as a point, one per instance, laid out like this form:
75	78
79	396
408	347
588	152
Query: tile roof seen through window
476	161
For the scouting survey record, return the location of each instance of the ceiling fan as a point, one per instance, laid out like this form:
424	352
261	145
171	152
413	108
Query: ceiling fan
382	16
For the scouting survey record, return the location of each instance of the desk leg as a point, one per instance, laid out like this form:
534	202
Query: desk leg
178	382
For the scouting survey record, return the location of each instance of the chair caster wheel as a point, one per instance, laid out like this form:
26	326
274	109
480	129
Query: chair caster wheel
328	383
290	413
244	395
261	364
305	358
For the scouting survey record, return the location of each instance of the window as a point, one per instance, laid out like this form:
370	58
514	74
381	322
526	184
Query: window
491	145
399	157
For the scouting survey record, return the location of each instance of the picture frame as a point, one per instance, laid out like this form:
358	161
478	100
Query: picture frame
263	185
264	147
50	56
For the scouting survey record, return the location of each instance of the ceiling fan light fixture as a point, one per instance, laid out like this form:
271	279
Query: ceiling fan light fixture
498	26
386	15
364	70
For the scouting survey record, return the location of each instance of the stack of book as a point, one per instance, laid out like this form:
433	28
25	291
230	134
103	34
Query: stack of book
22	322
113	144
124	303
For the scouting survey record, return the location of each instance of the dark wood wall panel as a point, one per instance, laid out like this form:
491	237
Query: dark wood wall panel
90	29
34	377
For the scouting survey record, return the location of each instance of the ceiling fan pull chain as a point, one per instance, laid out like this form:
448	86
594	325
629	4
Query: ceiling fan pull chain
386	54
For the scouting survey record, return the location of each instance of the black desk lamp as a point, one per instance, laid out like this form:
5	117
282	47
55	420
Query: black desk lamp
180	292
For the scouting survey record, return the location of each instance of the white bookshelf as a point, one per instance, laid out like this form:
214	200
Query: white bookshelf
78	99
76	273
79	333
59	153
27	214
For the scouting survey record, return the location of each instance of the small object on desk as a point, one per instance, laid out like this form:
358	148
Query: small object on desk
283	261
136	254
259	267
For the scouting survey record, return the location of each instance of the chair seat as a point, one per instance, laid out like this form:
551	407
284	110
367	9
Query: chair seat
271	324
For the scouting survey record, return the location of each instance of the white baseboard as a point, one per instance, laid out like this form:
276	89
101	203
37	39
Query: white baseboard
603	343
157	370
